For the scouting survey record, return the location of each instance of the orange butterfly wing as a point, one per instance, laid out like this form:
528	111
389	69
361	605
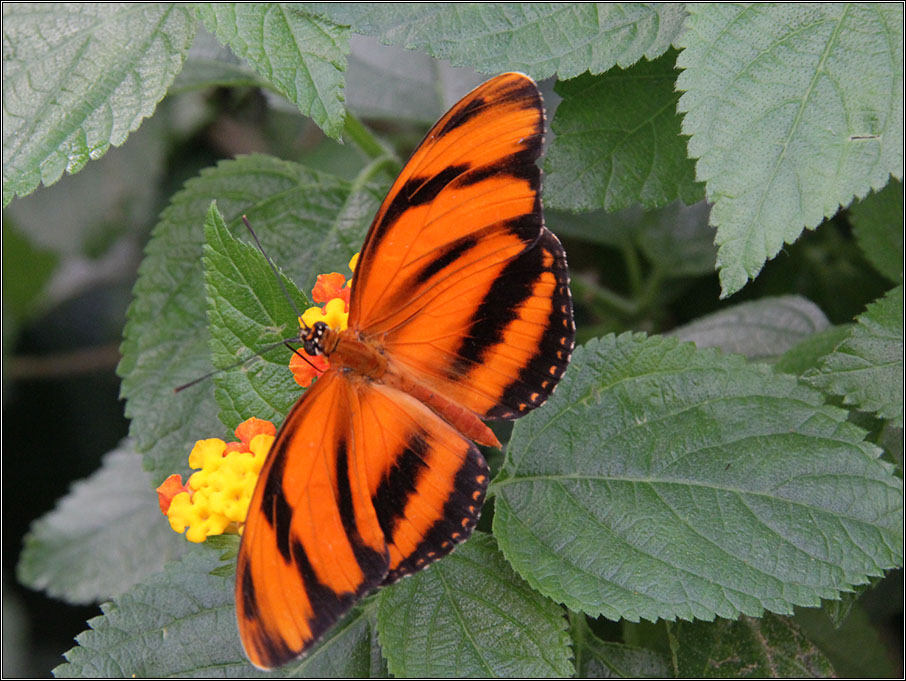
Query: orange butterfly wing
311	543
360	477
465	287
465	293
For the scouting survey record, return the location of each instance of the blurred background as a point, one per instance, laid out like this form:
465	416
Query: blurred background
71	252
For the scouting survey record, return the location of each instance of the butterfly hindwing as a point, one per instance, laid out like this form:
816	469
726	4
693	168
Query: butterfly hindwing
466	289
427	480
363	485
312	544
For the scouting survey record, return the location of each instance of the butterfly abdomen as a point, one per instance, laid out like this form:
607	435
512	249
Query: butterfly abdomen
465	421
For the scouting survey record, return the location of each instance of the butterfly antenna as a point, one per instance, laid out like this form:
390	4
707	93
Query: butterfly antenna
274	270
301	356
260	353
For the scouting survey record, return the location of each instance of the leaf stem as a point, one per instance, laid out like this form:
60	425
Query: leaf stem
358	134
603	300
633	266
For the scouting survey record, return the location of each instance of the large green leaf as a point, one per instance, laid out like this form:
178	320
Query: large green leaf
540	39
304	57
760	329
793	110
770	647
308	222
181	623
78	78
867	368
247	311
388	82
662	481
103	537
878	226
470	615
212	64
618	141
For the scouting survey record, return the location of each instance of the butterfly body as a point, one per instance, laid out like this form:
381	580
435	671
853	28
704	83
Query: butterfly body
350	353
459	312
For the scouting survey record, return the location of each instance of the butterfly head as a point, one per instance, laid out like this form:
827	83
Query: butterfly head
313	340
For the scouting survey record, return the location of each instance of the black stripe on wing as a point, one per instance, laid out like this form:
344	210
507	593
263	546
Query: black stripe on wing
460	515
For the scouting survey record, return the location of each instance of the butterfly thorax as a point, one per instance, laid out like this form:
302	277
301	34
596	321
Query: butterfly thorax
346	351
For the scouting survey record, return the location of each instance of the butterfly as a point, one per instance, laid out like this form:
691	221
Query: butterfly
460	311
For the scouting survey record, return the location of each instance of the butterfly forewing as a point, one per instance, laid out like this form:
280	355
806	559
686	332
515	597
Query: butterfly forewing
466	289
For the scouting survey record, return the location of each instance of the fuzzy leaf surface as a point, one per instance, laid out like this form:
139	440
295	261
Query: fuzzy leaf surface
662	481
618	142
182	623
539	39
302	56
247	311
597	659
867	368
878	227
769	647
470	615
103	537
78	78
793	111
760	329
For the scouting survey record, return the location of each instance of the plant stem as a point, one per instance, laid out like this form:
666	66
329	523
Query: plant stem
633	267
603	299
358	134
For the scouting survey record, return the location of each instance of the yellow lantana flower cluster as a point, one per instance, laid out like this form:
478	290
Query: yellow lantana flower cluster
216	498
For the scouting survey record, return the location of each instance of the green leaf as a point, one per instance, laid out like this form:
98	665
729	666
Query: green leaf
808	353
539	39
304	57
855	648
678	240
838	610
867	367
770	647
618	142
793	111
78	78
891	439
470	615
761	329
597	659
247	311
181	623
662	481
103	537
308	222
878	227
